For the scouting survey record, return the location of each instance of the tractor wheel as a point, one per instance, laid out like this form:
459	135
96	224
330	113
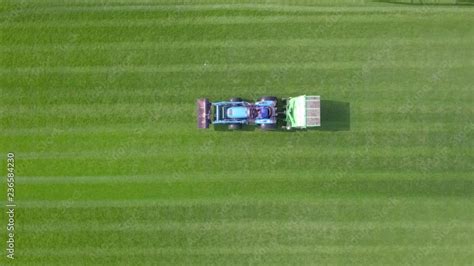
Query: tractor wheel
236	99
235	126
268	126
268	98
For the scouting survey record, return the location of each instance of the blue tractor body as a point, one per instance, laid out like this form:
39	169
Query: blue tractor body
237	112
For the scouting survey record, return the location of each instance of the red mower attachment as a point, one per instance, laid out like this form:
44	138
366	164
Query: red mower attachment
203	113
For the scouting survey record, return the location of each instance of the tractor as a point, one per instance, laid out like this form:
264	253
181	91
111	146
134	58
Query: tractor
297	112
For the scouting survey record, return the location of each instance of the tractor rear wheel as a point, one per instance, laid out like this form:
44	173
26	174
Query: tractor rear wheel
235	126
268	126
236	99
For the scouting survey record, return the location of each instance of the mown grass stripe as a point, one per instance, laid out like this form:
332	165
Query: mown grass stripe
109	91
261	226
224	176
51	11
193	44
164	153
253	250
232	200
232	67
219	20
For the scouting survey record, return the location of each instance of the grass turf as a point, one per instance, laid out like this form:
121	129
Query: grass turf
98	104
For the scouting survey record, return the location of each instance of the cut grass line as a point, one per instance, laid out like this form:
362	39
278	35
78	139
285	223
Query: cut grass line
170	152
346	42
180	128
397	154
64	95
231	67
234	7
224	176
324	202
250	250
215	20
259	226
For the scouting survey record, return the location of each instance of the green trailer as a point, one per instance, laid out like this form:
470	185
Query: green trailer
303	112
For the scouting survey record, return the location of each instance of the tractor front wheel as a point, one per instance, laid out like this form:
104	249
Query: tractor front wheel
235	126
268	126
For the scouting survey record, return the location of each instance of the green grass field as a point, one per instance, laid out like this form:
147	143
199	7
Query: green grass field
98	105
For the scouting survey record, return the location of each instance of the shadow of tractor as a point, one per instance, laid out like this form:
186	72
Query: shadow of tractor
243	128
335	116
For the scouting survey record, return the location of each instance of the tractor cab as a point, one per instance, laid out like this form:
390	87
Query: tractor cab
237	112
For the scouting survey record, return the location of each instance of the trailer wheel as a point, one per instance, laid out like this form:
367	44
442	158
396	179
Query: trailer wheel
235	126
268	98
236	99
268	126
